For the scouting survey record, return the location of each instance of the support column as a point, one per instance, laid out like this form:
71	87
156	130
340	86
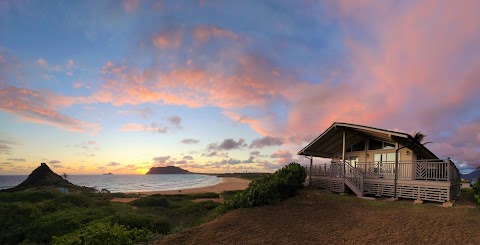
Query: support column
311	170
343	154
396	170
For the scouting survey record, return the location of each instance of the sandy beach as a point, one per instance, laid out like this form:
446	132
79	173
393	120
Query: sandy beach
227	184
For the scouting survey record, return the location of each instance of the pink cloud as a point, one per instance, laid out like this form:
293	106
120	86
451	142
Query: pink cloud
130	5
205	33
169	39
135	127
35	107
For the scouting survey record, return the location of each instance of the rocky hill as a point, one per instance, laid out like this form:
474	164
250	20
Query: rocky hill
168	170
473	175
44	178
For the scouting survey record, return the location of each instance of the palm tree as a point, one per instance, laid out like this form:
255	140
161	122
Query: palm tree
419	136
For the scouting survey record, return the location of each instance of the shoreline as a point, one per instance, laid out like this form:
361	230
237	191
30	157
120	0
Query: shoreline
226	184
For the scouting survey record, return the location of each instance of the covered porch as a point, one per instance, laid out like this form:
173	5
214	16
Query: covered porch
381	162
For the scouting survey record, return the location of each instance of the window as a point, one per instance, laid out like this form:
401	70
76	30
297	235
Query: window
388	145
378	145
375	144
360	146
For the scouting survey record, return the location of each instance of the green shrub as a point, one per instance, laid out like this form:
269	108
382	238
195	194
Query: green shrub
104	233
206	195
269	189
151	201
143	221
60	222
27	196
12	218
476	188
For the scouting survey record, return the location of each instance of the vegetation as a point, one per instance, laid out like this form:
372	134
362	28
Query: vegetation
104	233
476	188
248	176
269	189
90	218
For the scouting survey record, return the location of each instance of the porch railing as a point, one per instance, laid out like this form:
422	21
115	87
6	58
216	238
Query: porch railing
436	170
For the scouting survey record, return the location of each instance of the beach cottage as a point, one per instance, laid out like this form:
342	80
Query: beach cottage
379	162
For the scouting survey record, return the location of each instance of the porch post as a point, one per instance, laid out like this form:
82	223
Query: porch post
343	153
311	169
396	170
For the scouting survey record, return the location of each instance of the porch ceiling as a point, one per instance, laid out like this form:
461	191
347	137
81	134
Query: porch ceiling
330	142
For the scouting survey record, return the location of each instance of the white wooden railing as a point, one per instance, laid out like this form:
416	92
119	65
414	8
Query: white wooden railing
436	170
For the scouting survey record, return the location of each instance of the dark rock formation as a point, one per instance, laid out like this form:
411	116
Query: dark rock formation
168	170
44	178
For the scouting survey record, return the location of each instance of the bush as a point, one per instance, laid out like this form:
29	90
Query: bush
476	188
104	233
206	195
151	201
144	221
269	189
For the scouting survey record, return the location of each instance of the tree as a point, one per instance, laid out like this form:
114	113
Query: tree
419	136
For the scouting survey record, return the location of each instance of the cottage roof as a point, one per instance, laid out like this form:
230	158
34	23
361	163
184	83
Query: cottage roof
330	142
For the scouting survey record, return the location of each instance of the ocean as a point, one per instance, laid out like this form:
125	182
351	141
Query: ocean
128	183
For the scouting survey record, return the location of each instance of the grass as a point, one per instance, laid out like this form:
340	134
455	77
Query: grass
316	216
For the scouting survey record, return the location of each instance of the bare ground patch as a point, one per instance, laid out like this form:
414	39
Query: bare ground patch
318	217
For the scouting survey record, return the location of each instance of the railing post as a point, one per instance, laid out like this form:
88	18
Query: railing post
449	169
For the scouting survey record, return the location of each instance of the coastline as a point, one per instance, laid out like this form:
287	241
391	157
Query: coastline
226	184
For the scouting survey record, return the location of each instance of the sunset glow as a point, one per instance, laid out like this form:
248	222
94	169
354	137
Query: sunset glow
92	87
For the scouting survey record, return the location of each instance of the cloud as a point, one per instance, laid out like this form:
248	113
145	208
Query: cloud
78	85
255	153
130	5
17	159
135	127
5	163
5	149
168	39
161	159
188	158
42	62
180	162
54	162
215	154
175	120
205	33
113	164
227	144
190	141
36	107
143	112
266	141
281	154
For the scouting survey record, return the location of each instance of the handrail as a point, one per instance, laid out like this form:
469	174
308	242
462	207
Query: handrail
354	176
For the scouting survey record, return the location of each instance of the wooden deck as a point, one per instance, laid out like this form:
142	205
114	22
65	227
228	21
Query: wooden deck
427	180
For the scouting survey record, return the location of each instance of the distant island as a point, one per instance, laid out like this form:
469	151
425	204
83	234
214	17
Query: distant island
168	170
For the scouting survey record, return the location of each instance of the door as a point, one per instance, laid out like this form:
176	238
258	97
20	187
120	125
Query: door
384	165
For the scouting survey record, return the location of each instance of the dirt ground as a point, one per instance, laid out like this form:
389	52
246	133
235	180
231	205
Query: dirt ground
318	217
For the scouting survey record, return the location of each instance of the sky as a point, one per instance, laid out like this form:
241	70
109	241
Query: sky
91	87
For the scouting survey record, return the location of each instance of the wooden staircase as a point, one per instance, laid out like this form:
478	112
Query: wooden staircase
353	179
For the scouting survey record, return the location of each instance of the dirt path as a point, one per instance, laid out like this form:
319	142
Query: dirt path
318	217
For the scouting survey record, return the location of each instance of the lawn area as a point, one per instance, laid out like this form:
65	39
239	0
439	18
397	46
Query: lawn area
316	216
